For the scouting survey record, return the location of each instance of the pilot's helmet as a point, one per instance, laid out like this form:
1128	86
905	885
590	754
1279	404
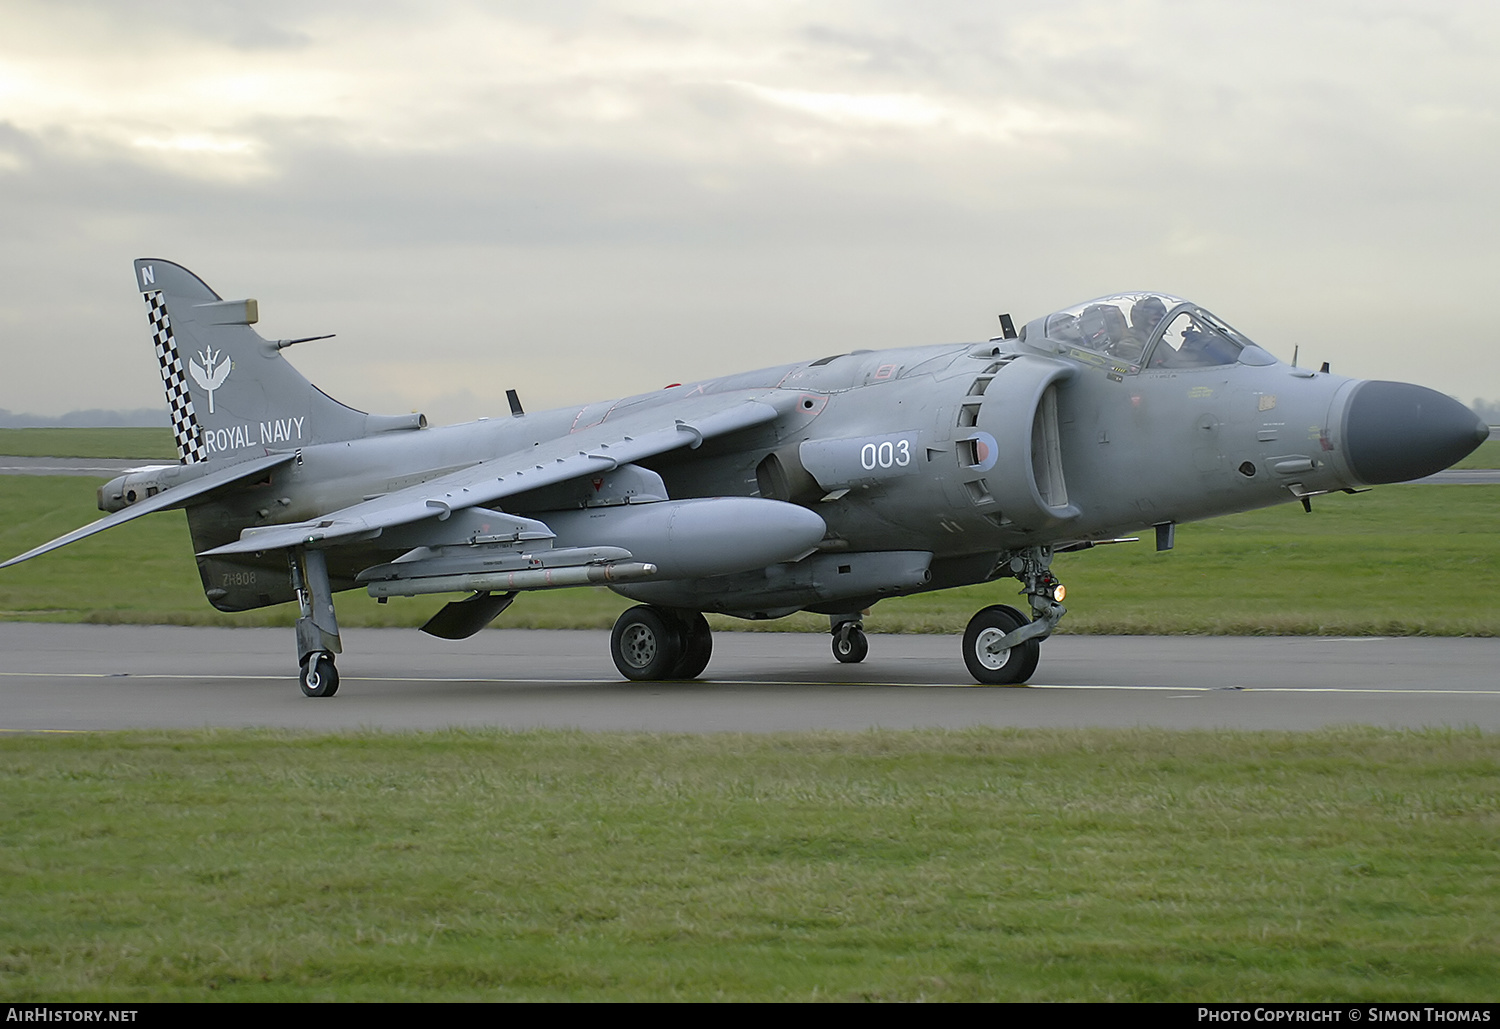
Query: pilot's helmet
1093	326
1146	314
1103	326
1063	327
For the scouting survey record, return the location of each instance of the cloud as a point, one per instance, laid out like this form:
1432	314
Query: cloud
583	199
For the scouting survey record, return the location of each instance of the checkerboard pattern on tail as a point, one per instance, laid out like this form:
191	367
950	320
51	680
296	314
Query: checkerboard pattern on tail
185	428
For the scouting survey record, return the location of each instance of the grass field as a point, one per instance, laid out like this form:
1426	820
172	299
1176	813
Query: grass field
1397	560
978	865
1487	456
981	865
152	444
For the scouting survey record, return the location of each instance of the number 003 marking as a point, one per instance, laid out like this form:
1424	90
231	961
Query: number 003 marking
889	454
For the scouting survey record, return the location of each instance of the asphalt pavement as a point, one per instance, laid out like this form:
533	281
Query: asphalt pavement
98	677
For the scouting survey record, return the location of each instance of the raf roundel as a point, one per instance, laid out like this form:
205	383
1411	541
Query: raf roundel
986	450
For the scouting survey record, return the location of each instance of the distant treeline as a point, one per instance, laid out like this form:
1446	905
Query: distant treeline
1486	409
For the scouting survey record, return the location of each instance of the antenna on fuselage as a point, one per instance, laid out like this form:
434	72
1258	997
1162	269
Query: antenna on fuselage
515	403
1007	327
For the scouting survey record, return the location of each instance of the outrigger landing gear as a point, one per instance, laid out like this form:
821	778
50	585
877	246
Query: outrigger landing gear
317	628
319	676
850	645
652	643
1001	646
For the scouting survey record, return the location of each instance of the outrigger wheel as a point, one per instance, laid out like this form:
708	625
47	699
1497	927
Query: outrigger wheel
850	645
319	676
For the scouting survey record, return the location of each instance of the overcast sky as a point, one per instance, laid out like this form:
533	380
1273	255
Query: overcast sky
582	200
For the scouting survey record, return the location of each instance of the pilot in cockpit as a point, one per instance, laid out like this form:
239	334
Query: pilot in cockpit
1145	315
1063	327
1103	327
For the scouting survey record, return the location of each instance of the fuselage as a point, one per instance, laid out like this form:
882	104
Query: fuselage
961	452
823	486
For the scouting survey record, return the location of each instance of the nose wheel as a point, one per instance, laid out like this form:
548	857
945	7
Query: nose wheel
988	660
1001	645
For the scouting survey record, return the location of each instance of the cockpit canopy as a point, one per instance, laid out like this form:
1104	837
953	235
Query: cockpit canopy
1145	330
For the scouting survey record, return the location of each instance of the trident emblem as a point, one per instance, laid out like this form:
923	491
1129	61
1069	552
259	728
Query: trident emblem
207	375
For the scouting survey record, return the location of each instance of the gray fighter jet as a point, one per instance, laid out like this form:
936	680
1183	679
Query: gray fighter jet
822	486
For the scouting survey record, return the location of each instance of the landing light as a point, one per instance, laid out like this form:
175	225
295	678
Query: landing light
1058	592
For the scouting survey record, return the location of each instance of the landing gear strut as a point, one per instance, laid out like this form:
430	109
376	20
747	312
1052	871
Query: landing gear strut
1001	645
652	643
850	645
317	628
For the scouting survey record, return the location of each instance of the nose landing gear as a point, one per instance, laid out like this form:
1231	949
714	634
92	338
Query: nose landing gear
990	659
1001	646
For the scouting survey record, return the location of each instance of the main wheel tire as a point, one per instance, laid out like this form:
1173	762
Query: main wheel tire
319	676
646	644
1008	666
698	646
850	645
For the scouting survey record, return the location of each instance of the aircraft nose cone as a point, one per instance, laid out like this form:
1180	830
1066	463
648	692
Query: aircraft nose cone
1395	431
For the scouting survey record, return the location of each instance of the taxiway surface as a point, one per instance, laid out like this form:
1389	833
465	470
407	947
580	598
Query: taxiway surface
88	677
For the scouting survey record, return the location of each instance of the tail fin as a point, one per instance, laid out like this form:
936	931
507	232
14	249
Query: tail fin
235	396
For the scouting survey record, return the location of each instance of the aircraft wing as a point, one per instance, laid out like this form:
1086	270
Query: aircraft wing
592	450
166	500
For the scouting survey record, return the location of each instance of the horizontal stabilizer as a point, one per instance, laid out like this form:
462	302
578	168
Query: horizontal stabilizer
166	500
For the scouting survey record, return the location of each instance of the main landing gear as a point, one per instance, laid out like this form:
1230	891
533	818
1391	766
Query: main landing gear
1001	645
651	643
